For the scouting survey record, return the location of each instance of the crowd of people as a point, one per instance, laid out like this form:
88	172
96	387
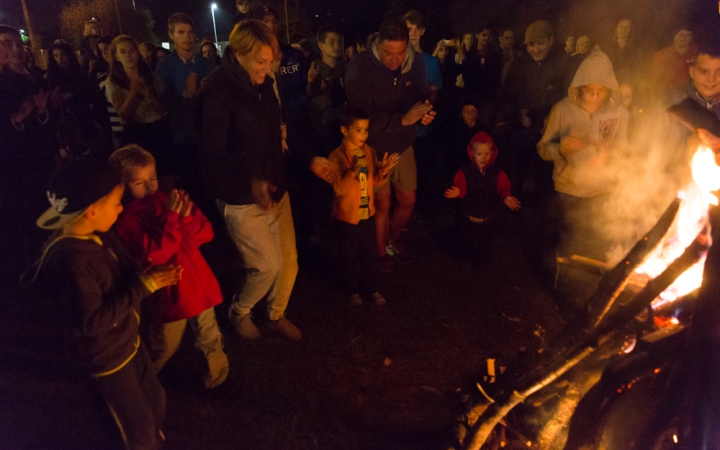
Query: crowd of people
136	146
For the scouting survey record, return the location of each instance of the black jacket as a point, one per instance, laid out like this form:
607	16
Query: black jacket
238	125
482	199
96	289
387	96
536	86
481	75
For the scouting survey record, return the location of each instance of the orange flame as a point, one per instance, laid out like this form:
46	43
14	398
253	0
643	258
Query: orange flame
692	217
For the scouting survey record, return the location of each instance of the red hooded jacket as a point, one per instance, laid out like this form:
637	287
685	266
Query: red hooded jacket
156	236
480	188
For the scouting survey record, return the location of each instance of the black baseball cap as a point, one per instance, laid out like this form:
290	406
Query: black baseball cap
75	186
263	11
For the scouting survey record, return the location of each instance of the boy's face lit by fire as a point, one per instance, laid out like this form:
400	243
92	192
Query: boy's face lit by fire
482	151
539	49
142	181
357	133
469	115
705	74
592	96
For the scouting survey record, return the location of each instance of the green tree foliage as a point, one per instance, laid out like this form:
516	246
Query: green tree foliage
138	24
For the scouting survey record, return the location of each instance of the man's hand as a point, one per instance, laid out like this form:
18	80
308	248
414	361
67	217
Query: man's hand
165	274
428	118
261	191
388	162
526	122
23	112
314	71
41	100
174	202
417	112
453	192
324	169
570	144
192	85
512	203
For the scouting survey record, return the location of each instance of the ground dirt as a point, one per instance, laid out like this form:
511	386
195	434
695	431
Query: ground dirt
361	378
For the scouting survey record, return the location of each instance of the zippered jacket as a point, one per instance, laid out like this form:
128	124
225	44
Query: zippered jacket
154	236
387	96
238	126
97	289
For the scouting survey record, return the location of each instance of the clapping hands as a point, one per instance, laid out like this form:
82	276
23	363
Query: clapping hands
179	202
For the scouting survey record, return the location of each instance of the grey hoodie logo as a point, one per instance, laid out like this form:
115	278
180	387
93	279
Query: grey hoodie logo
607	129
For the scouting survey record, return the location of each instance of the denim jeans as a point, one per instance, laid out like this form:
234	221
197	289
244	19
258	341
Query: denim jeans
266	240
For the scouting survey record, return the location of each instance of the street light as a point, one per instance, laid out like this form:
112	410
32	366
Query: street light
213	7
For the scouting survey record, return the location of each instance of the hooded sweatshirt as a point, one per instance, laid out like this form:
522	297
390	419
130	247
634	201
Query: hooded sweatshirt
480	189
154	235
387	95
97	289
589	171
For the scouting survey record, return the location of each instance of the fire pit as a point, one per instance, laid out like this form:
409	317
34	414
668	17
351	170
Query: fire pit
665	265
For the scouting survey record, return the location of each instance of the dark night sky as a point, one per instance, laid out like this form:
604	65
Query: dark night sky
445	17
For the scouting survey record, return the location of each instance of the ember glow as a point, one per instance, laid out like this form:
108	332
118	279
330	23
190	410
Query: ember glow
689	222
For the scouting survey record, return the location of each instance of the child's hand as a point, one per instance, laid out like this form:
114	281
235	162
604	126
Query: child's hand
174	202
388	162
262	191
569	144
512	203
165	274
453	192
186	204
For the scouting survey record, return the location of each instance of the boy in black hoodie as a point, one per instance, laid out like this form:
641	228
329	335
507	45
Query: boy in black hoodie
482	187
100	290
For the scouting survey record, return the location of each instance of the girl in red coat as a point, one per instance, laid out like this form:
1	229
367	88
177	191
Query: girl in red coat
169	229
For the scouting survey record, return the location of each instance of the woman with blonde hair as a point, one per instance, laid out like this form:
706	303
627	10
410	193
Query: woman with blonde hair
89	50
242	164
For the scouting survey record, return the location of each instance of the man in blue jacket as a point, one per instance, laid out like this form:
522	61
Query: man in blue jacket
177	79
391	85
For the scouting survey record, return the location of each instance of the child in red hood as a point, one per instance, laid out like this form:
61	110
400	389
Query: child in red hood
482	187
160	229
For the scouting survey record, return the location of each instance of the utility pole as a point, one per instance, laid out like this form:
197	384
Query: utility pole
287	23
117	11
34	40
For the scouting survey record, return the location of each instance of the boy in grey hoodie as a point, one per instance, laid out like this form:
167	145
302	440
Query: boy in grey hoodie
584	135
586	131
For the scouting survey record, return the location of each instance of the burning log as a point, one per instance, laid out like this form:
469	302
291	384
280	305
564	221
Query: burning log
580	339
599	323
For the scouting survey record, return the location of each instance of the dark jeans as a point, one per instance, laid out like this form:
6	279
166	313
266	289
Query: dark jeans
136	401
357	244
524	164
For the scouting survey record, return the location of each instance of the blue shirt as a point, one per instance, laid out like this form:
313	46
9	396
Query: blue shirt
170	81
432	68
